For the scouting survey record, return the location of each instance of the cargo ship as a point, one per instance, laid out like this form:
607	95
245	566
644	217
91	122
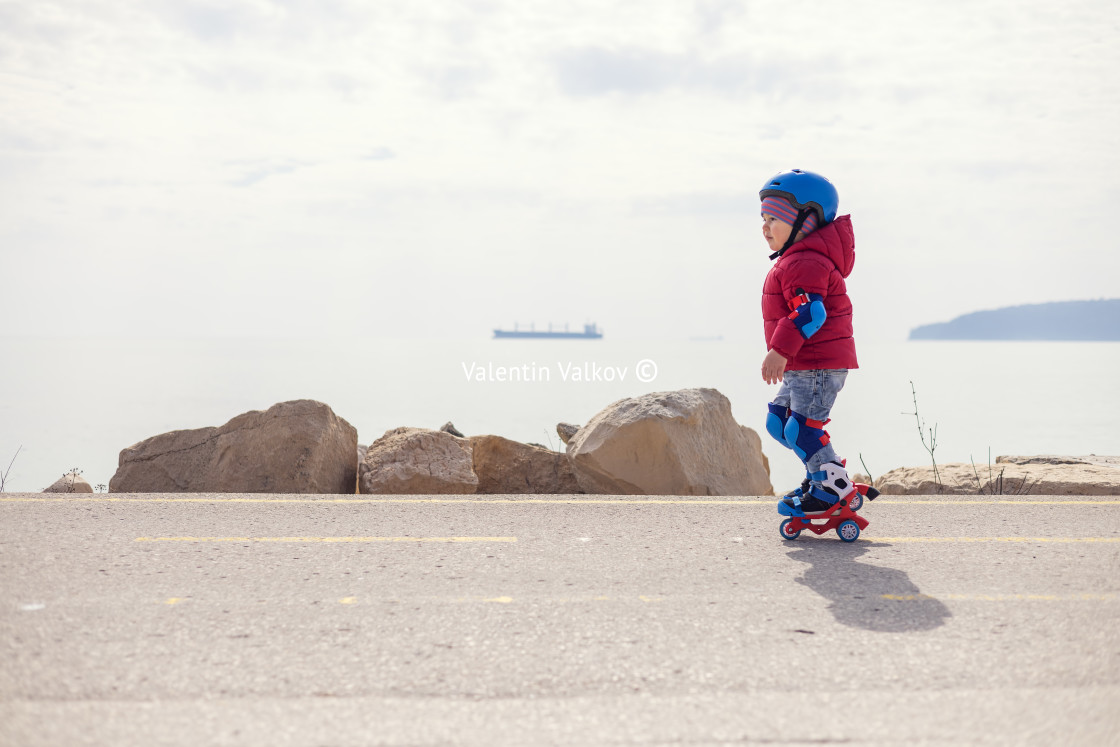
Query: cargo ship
590	332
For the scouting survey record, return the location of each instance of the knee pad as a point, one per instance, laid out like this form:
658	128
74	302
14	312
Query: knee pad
833	481
805	436
776	422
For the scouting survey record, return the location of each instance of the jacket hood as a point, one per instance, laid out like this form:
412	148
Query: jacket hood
836	240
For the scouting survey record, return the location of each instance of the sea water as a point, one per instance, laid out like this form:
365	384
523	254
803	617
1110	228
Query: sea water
76	403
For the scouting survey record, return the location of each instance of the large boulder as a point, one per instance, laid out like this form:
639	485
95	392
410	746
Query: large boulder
71	482
669	443
418	461
509	467
1010	475
292	447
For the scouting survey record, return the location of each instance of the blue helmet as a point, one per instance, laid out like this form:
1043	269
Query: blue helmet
805	190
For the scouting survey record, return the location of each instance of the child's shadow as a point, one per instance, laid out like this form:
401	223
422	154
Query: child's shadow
883	600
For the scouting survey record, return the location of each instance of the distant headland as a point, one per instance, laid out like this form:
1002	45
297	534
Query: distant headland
1061	320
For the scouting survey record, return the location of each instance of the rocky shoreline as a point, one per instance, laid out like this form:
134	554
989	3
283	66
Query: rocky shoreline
683	443
1009	475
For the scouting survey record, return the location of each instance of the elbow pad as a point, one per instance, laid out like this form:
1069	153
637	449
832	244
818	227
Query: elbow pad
808	312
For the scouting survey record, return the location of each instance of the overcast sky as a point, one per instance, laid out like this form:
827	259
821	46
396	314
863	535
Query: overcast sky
256	167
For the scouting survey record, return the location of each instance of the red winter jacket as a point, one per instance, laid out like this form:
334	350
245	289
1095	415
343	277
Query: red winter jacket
817	264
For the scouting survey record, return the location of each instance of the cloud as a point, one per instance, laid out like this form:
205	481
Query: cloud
590	128
593	71
713	15
379	154
698	203
255	171
232	77
597	71
211	21
32	22
457	81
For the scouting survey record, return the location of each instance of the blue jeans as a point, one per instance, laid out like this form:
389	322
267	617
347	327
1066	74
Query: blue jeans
812	394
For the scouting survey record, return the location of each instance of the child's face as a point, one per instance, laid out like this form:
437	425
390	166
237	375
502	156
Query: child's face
775	232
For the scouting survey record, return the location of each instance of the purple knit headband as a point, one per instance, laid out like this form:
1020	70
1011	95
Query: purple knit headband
783	210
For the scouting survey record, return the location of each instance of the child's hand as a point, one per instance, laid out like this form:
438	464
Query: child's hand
773	366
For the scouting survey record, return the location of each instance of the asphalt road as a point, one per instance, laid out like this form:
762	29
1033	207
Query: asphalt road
313	620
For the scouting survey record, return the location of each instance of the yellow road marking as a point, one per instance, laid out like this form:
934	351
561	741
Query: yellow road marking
560	501
1087	597
997	539
326	539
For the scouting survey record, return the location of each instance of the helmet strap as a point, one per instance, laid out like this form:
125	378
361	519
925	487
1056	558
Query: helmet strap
802	216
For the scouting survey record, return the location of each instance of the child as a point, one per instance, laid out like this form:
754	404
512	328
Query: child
808	321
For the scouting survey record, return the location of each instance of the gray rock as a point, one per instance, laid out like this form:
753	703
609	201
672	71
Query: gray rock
293	447
670	443
1040	459
508	467
71	482
449	427
1051	476
566	431
418	461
